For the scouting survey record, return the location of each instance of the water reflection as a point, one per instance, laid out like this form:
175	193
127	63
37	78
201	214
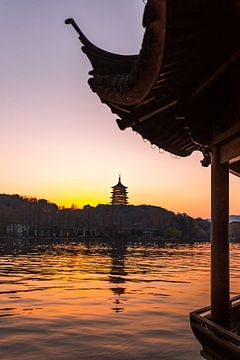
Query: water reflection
103	301
117	275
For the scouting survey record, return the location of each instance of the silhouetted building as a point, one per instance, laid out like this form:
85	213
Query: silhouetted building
119	194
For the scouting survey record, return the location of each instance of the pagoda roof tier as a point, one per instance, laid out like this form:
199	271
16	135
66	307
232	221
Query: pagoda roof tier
119	185
119	197
169	93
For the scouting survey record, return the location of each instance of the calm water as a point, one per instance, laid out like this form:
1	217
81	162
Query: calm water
101	302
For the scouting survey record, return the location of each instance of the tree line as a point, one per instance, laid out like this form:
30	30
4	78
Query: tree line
39	217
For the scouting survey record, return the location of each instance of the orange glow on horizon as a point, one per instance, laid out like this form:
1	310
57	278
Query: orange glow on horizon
190	194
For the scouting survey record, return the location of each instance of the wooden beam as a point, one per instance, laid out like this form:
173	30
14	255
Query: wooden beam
233	59
235	160
235	168
230	150
220	286
232	132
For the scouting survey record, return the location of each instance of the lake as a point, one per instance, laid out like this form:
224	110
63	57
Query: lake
101	301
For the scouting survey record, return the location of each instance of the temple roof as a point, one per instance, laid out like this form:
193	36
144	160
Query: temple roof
182	89
119	185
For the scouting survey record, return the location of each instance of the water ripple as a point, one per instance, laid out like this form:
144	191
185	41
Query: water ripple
104	301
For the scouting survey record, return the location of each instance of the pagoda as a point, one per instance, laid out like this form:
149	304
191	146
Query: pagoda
119	194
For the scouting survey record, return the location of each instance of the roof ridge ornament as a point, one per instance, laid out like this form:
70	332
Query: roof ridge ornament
133	85
82	37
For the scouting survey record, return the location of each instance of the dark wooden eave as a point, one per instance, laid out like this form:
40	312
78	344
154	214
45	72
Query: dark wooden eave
183	87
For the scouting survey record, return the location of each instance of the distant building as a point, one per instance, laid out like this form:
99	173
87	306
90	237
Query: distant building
17	229
119	194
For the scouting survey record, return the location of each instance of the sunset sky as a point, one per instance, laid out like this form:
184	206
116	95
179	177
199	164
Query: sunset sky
57	140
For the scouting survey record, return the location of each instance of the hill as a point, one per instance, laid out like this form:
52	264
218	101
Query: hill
31	217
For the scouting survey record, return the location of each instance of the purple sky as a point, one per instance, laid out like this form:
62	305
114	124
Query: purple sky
57	140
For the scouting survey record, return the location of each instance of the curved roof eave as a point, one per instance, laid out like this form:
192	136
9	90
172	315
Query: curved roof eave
170	91
131	77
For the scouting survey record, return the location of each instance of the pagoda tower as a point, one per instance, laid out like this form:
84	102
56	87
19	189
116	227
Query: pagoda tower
119	194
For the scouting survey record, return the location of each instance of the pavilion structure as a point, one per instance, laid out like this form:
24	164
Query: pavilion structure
119	194
181	92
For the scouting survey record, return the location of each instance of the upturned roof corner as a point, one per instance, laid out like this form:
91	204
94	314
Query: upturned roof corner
169	93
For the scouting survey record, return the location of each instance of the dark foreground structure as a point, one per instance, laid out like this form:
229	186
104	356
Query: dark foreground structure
182	94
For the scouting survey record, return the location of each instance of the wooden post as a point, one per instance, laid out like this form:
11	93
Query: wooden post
220	280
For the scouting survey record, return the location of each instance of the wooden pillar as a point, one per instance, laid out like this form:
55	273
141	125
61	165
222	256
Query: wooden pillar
220	280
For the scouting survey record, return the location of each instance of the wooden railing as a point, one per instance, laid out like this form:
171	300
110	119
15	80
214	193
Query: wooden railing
218	343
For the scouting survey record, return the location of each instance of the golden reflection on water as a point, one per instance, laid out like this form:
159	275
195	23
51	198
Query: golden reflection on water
104	301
